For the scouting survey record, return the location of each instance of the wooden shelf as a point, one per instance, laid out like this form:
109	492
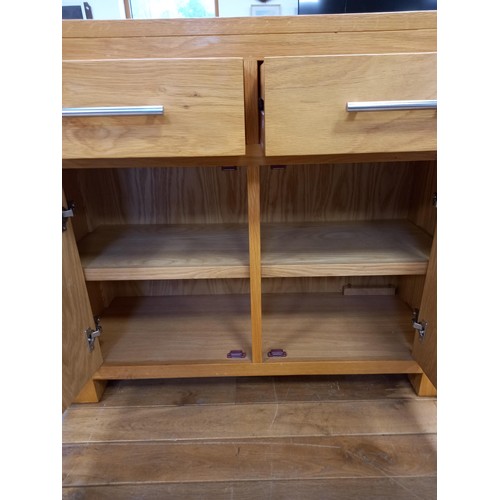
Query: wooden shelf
204	328
148	252
190	328
393	247
326	326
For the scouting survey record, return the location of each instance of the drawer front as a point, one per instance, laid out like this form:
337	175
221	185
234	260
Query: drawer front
306	98
202	99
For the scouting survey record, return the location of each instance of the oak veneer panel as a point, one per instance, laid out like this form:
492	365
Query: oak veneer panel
344	249
202	98
177	328
82	425
253	183
78	363
328	326
236	460
343	192
145	252
387	21
164	196
325	284
254	46
306	99
215	368
426	349
397	488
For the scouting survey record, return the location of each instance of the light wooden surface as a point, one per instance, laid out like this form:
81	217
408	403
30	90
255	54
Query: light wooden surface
78	364
212	195
251	46
253	188
425	20
196	329
306	99
343	192
157	251
281	438
425	351
202	99
174	329
214	368
344	249
331	326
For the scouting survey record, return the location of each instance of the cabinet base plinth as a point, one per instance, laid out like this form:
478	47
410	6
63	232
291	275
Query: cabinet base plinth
422	385
92	391
248	369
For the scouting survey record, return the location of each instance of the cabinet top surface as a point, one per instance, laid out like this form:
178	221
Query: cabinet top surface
250	25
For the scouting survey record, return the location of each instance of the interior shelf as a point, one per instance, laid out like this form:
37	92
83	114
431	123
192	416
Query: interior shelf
159	251
188	328
353	248
335	327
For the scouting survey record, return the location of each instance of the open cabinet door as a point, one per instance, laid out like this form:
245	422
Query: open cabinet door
78	362
425	348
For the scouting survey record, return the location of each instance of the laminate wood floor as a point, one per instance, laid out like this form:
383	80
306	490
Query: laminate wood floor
356	437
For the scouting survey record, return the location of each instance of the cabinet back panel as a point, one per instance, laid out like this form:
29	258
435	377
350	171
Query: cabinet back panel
150	288
164	195
325	284
367	191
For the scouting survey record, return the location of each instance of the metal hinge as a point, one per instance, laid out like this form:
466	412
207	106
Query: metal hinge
435	200
420	326
67	213
92	334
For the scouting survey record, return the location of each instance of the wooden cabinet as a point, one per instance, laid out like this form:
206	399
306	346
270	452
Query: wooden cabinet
256	227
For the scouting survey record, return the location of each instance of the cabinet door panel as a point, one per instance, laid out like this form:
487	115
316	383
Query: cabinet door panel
425	350
202	99
78	363
306	97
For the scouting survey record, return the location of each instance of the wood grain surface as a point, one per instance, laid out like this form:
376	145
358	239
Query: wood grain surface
227	26
202	98
172	329
343	192
78	364
346	438
305	106
344	248
266	421
330	326
157	251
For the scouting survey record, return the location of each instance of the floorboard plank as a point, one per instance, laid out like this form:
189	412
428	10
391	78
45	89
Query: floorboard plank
266	420
238	460
400	488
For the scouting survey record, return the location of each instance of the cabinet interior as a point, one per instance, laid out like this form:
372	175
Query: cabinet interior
344	251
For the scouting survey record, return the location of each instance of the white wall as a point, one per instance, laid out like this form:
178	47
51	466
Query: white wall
241	8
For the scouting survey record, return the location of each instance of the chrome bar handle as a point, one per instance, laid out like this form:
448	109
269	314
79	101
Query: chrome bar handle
113	111
353	107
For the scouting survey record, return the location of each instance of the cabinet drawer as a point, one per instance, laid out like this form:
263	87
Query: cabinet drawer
202	100
306	104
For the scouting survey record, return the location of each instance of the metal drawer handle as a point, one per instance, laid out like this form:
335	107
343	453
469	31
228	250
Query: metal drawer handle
352	107
113	111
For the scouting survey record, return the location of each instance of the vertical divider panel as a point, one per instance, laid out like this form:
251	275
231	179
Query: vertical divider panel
252	133
253	184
